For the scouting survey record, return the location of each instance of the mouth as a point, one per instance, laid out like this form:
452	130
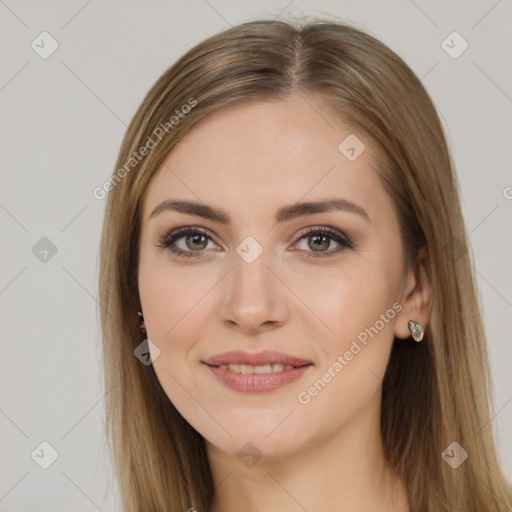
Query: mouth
267	361
248	368
264	371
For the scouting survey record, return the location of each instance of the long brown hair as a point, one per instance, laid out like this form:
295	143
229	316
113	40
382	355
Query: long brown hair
434	393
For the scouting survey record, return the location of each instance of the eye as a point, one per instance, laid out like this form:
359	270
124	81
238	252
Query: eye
319	239
189	242
194	241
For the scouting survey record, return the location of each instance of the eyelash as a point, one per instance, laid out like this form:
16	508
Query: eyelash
169	239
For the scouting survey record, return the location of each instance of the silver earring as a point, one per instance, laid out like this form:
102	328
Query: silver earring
142	326
416	330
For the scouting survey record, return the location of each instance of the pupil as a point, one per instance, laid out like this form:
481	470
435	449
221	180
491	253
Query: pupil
326	239
194	238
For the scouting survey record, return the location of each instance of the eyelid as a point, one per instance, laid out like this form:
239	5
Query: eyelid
327	230
182	231
340	237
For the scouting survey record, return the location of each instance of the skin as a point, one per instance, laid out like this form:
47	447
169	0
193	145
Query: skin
249	160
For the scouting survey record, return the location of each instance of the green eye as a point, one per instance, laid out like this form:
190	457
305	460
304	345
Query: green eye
196	240
319	239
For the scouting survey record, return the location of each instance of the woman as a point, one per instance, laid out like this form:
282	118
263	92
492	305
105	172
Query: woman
289	314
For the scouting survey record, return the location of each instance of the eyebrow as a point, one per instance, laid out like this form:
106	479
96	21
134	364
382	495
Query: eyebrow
284	213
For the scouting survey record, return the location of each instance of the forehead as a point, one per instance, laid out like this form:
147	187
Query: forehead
251	155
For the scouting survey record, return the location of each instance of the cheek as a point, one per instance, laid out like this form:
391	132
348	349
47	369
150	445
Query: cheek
359	309
357	306
346	300
172	298
173	302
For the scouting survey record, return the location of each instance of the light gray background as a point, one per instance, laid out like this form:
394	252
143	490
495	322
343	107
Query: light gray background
63	119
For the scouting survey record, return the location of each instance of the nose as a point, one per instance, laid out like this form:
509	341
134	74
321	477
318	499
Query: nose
253	298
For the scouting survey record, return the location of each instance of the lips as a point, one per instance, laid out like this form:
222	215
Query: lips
256	373
267	357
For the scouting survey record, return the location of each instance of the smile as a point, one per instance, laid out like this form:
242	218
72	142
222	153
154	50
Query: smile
249	368
245	378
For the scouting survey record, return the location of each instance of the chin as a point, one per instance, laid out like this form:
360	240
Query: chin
250	449
253	441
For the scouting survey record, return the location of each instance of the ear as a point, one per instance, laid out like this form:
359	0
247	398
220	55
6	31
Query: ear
416	299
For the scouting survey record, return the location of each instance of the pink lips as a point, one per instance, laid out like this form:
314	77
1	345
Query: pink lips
256	382
261	358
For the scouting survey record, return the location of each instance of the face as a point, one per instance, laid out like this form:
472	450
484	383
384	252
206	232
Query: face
250	270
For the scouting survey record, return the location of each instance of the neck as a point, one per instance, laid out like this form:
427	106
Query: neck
346	471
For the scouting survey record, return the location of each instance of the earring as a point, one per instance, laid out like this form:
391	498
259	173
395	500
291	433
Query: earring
142	326
416	330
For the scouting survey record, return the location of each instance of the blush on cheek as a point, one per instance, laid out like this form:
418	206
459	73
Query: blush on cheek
364	333
164	301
